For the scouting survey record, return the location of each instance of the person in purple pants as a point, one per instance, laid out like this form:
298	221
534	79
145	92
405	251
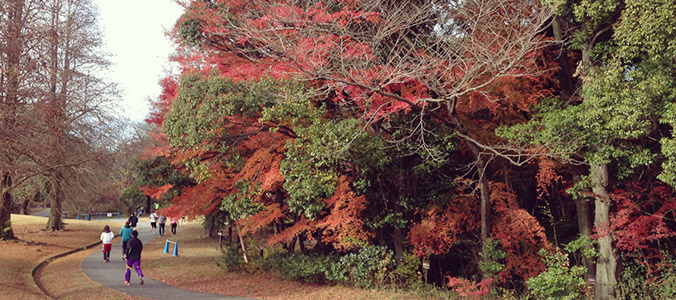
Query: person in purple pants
134	249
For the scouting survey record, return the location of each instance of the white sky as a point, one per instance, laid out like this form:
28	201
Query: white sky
134	33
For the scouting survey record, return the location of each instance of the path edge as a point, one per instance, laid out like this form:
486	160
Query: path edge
56	256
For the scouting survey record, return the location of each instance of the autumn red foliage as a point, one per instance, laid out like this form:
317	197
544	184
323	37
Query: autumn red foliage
341	225
520	235
643	219
441	227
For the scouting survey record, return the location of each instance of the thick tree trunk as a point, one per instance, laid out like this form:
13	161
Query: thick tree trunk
6	231
564	74
24	206
55	221
606	263
11	72
148	203
584	225
397	239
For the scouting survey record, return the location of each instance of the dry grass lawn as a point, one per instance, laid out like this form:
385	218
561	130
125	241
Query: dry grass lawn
195	269
18	258
64	279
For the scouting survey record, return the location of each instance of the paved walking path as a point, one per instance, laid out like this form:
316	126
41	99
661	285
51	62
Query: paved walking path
41	213
112	274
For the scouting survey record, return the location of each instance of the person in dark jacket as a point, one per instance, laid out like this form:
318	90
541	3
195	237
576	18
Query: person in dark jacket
133	220
134	249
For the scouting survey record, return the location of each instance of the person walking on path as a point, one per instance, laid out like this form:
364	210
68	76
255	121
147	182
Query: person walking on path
162	220
125	234
107	239
133	220
174	223
134	258
153	221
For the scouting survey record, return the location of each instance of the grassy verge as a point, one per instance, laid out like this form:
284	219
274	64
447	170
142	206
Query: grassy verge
195	269
62	277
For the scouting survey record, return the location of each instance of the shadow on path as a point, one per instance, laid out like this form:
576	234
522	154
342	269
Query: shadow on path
112	274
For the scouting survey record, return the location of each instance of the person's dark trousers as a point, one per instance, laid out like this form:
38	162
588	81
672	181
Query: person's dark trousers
124	248
161	229
173	228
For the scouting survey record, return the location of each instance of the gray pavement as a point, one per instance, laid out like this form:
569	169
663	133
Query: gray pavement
41	213
111	274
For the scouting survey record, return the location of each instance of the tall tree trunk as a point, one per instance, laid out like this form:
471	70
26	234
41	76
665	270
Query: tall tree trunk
57	103
24	206
565	75
485	201
397	239
584	225
148	203
6	231
13	49
482	165
606	263
55	221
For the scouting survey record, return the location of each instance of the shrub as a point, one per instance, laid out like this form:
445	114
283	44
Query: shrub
639	281
306	268
231	259
407	272
272	259
366	269
560	281
491	254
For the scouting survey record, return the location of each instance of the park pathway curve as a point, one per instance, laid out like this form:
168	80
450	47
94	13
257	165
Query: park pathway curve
112	274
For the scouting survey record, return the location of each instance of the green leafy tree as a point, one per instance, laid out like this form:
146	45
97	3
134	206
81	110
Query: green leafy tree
625	103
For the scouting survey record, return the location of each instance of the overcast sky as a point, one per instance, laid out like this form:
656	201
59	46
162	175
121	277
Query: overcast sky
134	33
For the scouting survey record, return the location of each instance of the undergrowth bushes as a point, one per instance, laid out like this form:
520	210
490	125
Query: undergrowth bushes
377	267
372	266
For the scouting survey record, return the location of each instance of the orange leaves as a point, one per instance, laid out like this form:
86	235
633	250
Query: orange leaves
441	227
546	176
271	213
262	165
519	233
468	289
155	192
200	199
304	225
344	226
341	223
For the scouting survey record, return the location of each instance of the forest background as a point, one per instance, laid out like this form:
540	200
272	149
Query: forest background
492	147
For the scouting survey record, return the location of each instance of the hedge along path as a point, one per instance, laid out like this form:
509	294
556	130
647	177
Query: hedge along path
111	274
